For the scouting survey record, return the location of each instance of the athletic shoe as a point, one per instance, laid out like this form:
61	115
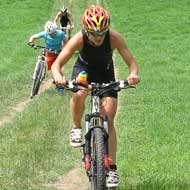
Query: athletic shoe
59	90
76	137
113	179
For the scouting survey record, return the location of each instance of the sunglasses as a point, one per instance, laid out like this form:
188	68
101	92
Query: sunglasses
95	34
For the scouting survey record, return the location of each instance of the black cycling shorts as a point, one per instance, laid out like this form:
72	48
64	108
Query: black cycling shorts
94	76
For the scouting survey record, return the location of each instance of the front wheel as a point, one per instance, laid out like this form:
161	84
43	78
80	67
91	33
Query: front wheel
98	178
40	75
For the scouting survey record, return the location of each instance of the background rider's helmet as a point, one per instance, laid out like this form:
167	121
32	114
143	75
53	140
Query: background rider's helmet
50	27
64	9
95	19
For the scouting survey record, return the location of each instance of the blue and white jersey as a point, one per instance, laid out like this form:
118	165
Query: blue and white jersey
54	42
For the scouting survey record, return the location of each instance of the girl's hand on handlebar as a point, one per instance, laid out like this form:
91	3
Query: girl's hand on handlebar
133	79
59	79
31	44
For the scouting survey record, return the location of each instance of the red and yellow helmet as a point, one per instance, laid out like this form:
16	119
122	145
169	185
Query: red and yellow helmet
95	19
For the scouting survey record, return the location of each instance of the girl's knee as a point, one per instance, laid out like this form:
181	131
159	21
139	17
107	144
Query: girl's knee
78	96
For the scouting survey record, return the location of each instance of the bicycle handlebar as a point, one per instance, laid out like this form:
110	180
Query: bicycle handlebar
33	45
65	28
42	47
69	27
98	88
39	47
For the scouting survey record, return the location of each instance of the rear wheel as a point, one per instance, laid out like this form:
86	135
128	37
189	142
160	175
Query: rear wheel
98	179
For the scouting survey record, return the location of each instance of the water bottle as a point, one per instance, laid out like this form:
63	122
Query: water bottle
82	77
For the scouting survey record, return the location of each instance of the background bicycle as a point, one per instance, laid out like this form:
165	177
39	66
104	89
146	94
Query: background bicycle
95	148
39	71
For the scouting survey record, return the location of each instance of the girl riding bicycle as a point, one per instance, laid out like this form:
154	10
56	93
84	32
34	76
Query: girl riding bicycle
95	43
65	19
54	42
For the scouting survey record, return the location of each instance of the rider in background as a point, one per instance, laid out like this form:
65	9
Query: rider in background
65	19
54	41
95	43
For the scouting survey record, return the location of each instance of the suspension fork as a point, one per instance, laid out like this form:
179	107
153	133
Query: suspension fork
106	137
87	147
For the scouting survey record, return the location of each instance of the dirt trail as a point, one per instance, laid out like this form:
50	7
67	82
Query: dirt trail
20	107
76	177
72	181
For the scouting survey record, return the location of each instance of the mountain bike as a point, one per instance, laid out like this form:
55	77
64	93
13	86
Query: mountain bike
39	71
95	148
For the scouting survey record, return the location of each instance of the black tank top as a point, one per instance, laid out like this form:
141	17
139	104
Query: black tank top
98	59
64	20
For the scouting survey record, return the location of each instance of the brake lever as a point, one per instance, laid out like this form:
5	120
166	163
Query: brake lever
117	88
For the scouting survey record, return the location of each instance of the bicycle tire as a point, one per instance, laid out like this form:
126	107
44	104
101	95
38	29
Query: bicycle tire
34	80
40	75
98	179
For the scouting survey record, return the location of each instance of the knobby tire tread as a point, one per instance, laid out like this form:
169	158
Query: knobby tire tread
98	139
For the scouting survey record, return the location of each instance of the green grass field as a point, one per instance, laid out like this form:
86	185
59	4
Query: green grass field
152	122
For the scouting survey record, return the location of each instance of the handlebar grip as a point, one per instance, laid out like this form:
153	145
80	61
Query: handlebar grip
31	44
76	85
126	82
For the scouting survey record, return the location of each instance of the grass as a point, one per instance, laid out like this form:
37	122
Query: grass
152	122
19	20
154	125
38	146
